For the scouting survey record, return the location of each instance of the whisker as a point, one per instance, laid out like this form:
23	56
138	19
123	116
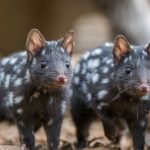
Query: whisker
118	94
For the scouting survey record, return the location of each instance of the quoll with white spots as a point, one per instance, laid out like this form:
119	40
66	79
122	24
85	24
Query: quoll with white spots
35	87
112	83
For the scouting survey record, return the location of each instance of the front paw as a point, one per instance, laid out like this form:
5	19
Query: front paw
112	135
23	147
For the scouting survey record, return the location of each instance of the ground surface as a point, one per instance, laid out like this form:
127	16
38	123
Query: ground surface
97	141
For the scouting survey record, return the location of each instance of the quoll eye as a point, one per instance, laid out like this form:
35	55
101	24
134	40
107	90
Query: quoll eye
128	70
43	64
67	65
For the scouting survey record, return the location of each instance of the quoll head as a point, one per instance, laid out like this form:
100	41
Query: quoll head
132	67
49	62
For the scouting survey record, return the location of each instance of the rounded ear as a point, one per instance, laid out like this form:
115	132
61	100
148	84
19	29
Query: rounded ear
35	41
68	42
121	47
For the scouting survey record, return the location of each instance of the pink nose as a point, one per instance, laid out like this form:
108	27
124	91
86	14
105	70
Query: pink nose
61	79
143	88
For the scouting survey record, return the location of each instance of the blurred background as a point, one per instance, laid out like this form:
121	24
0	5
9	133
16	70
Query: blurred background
94	21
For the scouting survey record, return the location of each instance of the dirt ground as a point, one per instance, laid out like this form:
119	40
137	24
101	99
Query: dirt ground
97	141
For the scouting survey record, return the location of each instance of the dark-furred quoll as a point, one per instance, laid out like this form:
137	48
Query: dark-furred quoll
35	87
112	83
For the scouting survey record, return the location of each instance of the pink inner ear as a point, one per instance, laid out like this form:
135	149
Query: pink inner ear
68	43
35	42
123	47
69	48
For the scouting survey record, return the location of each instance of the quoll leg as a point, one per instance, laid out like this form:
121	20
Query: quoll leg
82	118
26	136
137	126
52	126
110	127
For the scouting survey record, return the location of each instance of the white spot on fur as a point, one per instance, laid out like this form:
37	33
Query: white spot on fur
145	98
88	76
18	82
43	52
18	99
112	65
13	61
97	51
83	71
105	70
125	60
62	50
99	107
51	144
102	94
77	68
7	81
15	67
89	96
104	81
19	111
34	61
144	53
23	53
51	101
63	107
130	58
76	80
105	59
103	104
10	98
18	70
84	87
109	61
95	78
50	122
142	123
86	55
2	76
94	63
27	77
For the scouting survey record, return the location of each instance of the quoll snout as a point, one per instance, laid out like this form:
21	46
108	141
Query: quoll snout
61	79
143	88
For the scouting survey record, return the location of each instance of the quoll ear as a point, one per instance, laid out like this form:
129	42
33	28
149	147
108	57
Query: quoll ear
148	49
68	42
35	41
121	48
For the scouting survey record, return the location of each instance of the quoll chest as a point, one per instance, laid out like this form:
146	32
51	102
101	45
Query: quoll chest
38	106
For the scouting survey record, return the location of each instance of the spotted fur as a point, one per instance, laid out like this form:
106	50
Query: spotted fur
102	88
31	94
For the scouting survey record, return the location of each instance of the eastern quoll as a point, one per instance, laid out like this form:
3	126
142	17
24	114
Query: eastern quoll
35	87
112	82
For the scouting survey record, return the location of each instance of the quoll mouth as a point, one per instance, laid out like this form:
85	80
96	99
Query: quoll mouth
143	89
61	79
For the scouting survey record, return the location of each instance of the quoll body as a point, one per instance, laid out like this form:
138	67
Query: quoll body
35	87
112	83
